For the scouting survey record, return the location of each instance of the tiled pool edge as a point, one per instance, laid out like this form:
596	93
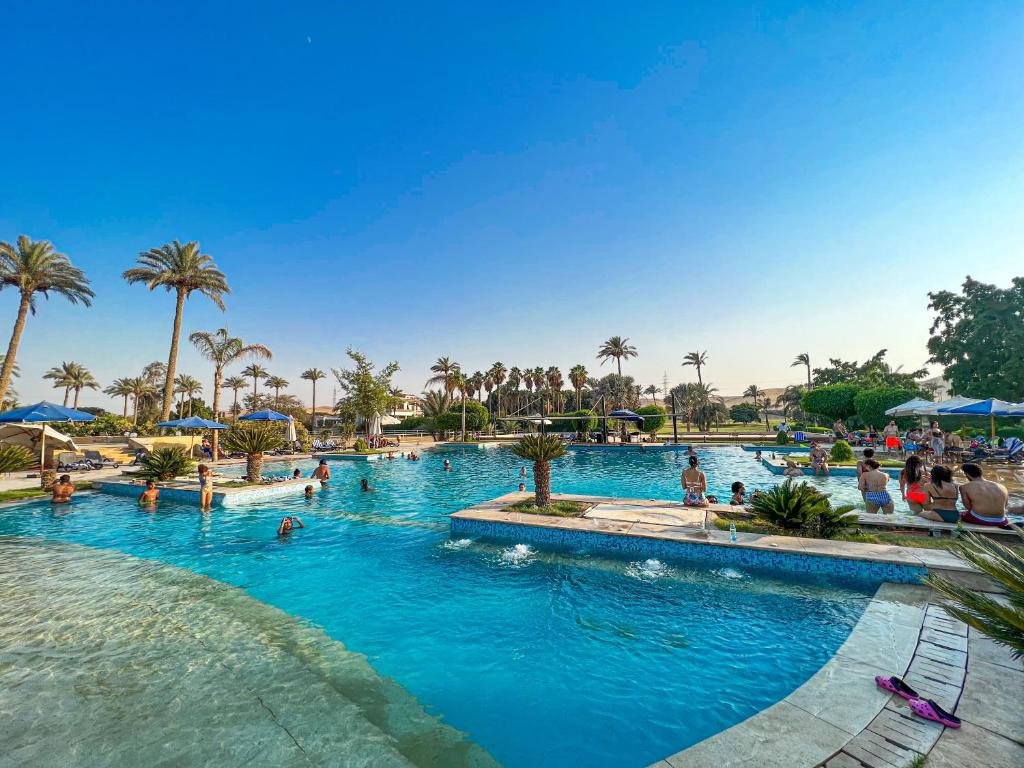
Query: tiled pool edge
222	497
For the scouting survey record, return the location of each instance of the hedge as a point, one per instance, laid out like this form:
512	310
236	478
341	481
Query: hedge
832	402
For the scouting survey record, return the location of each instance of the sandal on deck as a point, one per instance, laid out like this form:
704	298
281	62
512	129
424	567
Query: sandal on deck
929	710
895	685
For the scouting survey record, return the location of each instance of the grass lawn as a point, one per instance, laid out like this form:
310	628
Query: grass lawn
38	493
557	508
875	537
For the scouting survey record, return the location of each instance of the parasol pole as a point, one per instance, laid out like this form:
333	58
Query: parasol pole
42	451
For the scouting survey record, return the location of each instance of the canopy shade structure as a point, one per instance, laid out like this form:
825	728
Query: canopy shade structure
991	407
943	405
623	415
42	412
193	422
35	437
1017	409
264	415
910	408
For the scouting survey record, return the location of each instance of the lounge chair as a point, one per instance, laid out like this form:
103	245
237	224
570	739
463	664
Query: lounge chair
69	461
99	461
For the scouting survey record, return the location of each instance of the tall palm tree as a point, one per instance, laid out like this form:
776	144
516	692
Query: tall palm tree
515	378
804	359
33	267
397	396
235	384
182	269
82	379
652	390
489	388
314	375
554	379
761	400
276	383
255	371
498	374
616	348
466	389
539	380
141	389
578	379
790	400
446	373
63	375
186	386
120	388
698	360
222	349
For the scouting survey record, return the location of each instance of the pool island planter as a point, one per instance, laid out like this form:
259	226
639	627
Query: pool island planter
652	531
778	466
373	456
187	491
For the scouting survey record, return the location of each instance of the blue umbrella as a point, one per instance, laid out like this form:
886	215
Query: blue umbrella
43	412
991	407
264	415
623	415
193	422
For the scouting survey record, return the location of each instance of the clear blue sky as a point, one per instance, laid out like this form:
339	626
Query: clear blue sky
516	183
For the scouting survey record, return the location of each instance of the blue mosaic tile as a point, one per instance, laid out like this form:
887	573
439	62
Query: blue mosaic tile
729	555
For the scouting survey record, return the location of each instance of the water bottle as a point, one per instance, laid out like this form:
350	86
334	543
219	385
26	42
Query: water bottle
732	531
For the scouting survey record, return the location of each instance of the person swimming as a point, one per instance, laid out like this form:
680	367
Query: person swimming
308	492
522	487
757	456
364	485
322	472
296	474
738	492
151	494
63	489
447	466
288	524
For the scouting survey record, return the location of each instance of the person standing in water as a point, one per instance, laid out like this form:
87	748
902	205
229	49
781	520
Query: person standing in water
151	494
288	524
63	489
205	487
872	485
322	472
695	484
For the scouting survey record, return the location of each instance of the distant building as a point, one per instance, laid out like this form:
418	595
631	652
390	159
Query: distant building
409	407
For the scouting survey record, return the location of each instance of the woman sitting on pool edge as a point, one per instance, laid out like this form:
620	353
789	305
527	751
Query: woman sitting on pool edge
695	485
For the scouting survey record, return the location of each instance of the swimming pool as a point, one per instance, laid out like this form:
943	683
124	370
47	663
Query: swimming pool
540	657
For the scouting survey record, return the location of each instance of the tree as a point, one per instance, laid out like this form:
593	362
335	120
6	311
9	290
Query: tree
578	379
64	375
82	379
554	379
541	450
790	400
618	391
616	348
651	390
498	374
222	349
654	418
477	418
698	360
141	388
33	267
235	383
313	375
515	378
761	400
276	383
871	404
699	403
434	403
186	386
804	359
978	335
833	401
253	439
183	270
364	392
744	413
255	371
120	388
446	373
874	372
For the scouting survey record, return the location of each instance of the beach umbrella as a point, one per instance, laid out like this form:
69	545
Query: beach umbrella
289	431
624	415
375	428
943	406
193	423
43	412
265	415
910	408
1017	409
990	407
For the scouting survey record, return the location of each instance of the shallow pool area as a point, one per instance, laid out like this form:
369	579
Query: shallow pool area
523	655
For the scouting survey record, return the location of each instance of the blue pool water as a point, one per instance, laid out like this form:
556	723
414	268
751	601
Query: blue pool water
543	658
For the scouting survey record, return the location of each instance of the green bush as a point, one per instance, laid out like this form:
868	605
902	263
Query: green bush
782	438
871	405
841	451
409	424
654	418
165	463
744	413
586	421
476	417
105	424
361	445
832	402
801	508
14	458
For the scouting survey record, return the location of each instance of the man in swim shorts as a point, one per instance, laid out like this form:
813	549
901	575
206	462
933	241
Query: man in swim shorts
984	500
872	485
151	494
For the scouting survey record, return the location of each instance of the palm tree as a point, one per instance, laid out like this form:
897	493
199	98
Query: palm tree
578	379
698	360
253	440
141	389
186	386
476	385
255	371
64	375
235	383
616	348
804	359
314	375
276	383
82	379
222	349
182	269
446	373
541	450
120	388
34	267
554	377
488	387
466	387
760	398
498	374
652	390
515	378
539	380
790	400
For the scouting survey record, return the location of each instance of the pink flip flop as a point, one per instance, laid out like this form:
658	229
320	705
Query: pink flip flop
929	710
897	686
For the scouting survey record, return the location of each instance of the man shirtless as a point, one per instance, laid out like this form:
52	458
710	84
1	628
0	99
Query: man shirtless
322	472
151	494
819	458
62	490
872	485
984	500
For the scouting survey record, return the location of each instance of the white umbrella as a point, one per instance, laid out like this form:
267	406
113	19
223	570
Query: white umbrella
289	431
910	408
942	406
35	437
375	425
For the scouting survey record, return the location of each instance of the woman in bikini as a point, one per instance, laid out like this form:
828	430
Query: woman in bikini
912	481
205	487
695	485
942	494
62	490
872	485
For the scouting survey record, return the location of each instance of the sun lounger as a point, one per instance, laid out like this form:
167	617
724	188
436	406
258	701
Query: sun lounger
99	461
913	522
68	461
